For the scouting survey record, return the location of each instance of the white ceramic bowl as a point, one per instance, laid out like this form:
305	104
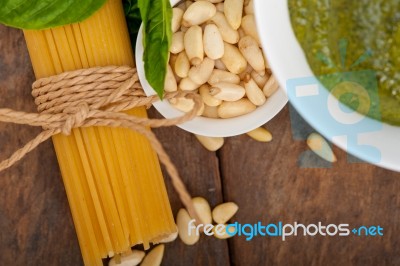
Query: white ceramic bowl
208	126
288	63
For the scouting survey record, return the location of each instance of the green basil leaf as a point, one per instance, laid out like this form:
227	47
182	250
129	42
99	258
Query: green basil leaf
133	19
157	35
43	14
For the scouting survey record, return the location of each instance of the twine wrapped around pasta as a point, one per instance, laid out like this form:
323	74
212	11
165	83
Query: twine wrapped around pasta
96	97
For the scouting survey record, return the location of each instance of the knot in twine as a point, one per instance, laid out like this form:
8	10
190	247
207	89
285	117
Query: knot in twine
77	117
96	97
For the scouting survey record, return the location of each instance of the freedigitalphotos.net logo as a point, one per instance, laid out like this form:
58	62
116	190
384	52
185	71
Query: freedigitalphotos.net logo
281	230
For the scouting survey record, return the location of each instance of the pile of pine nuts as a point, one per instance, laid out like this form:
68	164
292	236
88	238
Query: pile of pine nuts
216	52
221	214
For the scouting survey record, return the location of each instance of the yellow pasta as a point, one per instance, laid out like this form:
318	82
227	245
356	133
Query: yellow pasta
112	177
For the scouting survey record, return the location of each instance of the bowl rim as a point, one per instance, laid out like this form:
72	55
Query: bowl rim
282	49
209	126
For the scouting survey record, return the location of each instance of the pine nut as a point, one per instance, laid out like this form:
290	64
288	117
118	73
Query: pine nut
271	86
182	65
210	143
253	92
177	42
260	134
246	72
170	84
188	4
208	99
224	212
201	73
250	50
227	91
221	228
228	34
249	8
177	15
203	209
154	257
182	221
185	105
130	259
220	65
241	33
213	43
233	10
260	80
210	111
193	42
233	59
187	84
250	28
234	109
182	6
321	147
198	13
220	7
218	76
184	30
169	238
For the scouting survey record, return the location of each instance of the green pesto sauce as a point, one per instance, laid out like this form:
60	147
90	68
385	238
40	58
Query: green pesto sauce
354	42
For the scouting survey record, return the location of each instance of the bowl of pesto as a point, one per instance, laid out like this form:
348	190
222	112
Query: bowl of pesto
339	62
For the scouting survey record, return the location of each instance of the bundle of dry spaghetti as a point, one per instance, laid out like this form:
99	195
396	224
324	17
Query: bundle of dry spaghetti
112	176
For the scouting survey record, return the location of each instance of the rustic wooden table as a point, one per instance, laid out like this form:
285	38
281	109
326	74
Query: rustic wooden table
265	180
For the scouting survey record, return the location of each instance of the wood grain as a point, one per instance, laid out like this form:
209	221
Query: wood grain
35	222
269	186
